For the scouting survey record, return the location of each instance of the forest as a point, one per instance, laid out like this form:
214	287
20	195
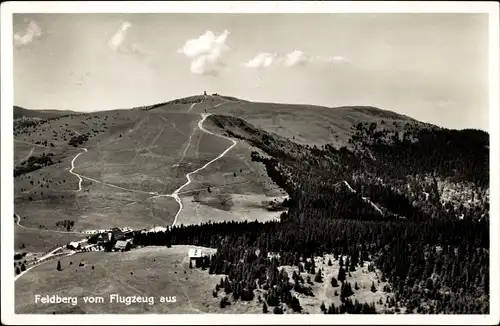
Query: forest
434	261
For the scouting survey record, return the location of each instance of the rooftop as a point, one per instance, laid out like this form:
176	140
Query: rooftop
121	244
194	253
158	229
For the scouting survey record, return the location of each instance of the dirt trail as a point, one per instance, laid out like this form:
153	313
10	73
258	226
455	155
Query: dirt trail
76	174
28	156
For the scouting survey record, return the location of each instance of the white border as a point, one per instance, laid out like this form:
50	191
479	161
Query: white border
7	231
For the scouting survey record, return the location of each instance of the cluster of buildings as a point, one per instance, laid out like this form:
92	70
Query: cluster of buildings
157	229
91	232
95	231
122	236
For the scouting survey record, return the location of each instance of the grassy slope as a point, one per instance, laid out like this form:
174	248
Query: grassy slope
157	271
160	271
155	151
313	125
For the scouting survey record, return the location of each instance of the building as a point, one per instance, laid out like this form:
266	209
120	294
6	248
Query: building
158	229
127	229
74	245
116	234
195	255
102	238
122	245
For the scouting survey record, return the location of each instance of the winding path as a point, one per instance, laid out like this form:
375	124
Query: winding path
191	107
28	156
43	260
175	194
76	174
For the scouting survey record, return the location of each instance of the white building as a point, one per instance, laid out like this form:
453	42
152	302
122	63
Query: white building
158	229
74	244
195	253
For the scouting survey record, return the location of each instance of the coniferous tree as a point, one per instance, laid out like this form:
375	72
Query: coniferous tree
278	310
318	278
341	275
322	307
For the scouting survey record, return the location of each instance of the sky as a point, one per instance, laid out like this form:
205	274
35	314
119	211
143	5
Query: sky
432	67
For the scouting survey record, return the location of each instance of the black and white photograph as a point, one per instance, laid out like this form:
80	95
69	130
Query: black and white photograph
176	159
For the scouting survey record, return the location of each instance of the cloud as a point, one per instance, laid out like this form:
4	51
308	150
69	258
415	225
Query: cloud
119	43
262	60
117	40
31	32
206	52
294	58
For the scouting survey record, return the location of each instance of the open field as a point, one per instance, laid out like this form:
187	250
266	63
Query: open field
41	240
152	271
96	206
146	158
223	206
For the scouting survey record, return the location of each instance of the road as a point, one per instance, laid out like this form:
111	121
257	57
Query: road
43	260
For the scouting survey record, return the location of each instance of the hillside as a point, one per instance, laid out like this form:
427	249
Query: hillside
312	125
375	187
386	177
20	112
